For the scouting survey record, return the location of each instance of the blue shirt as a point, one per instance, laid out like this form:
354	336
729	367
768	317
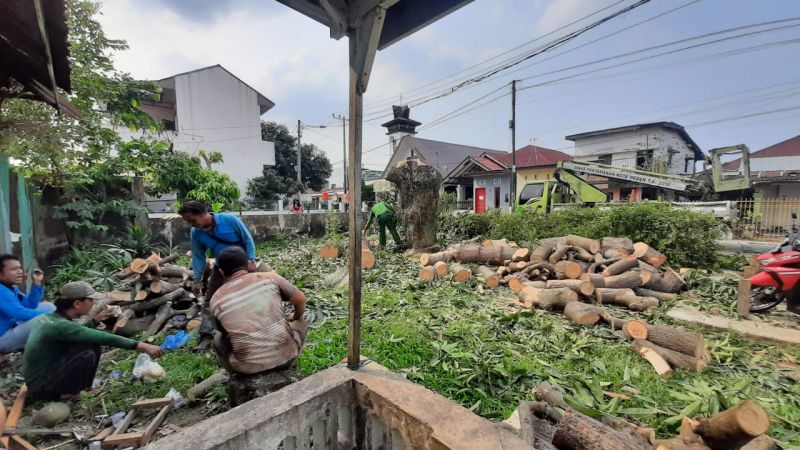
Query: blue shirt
16	307
229	231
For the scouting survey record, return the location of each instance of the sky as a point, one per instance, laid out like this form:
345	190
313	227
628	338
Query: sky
742	89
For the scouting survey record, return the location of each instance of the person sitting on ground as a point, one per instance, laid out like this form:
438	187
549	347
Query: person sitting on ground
383	213
296	208
61	355
18	312
215	232
253	334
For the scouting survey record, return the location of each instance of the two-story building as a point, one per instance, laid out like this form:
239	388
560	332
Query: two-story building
214	110
662	147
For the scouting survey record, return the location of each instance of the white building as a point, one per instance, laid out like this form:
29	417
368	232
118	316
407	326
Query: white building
214	110
663	147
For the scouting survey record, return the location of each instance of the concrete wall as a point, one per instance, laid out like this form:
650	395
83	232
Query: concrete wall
779	190
490	182
263	225
225	113
528	174
624	145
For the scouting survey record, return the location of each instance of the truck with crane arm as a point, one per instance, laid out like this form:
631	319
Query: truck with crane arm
569	186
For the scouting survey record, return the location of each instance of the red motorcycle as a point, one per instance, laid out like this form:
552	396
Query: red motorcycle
778	275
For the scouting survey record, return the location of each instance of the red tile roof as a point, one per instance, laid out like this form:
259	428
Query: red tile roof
488	163
531	156
789	147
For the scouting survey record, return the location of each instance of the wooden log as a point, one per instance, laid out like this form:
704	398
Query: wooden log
613	322
117	440
663	296
582	313
489	276
677	339
581	254
624	264
427	273
647	267
734	427
648	254
635	329
441	268
329	251
686	440
154	287
164	287
367	259
660	365
123	296
336	278
614	253
630	279
559	253
668	281
461	274
607	295
590	245
597	281
543	251
199	390
633	302
523	254
171	271
567	270
162	315
158	301
123	319
584	288
676	359
547	299
538	284
542	267
152	403
429	259
600	264
499	243
576	431
135	326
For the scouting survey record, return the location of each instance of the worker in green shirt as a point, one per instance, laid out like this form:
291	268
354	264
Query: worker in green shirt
383	213
61	355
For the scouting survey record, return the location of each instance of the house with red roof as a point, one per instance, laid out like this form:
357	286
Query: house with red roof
489	174
775	170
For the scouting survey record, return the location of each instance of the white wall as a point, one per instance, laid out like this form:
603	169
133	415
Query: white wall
217	112
624	145
775	163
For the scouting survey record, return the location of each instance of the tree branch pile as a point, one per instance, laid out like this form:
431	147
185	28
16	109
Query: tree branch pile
550	423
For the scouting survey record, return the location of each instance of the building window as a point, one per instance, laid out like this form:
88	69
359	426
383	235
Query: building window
604	159
169	125
644	159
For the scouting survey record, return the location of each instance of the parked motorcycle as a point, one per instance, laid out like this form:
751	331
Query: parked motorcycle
778	275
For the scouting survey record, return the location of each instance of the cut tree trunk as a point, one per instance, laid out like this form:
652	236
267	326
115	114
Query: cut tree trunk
600	264
135	326
547	299
676	359
584	288
545	248
597	280
668	281
489	276
429	259
567	270
734	427
590	245
607	295
367	259
648	254
634	302
635	329
523	254
559	253
123	319
499	243
170	271
576	431
202	388
535	284
677	339
629	279
162	315
427	273
623	246
418	186
582	313
461	274
158	301
330	251
660	365
686	440
624	264
663	296
441	268
614	253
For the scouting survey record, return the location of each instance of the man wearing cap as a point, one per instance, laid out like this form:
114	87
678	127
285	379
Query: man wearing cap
18	312
61	355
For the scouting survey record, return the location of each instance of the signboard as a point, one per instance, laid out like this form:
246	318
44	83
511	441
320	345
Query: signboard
382	186
627	175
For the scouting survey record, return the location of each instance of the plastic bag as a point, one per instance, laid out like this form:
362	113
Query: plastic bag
177	398
146	369
175	341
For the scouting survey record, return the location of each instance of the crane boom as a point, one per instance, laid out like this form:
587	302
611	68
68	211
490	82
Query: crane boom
659	180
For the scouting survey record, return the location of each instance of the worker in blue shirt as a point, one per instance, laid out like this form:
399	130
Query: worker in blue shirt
18	312
214	232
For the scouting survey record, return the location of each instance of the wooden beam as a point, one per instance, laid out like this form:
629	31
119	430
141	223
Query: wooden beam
337	11
366	38
14	413
152	403
116	440
356	13
154	424
23	443
309	9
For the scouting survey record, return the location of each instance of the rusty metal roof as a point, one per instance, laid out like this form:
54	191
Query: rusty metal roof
28	58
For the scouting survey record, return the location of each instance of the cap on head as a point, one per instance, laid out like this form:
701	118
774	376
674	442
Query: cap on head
78	290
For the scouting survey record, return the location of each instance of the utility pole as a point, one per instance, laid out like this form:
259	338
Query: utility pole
513	125
344	148
299	149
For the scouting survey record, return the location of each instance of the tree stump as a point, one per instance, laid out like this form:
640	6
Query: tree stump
734	427
243	388
418	185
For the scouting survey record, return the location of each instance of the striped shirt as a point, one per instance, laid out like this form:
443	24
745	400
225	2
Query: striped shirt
249	309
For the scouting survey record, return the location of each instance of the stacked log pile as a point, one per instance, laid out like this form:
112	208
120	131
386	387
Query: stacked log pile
151	296
551	423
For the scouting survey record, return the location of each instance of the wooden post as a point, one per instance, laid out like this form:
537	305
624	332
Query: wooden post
743	297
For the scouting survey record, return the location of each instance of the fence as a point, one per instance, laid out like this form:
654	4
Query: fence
764	219
464	205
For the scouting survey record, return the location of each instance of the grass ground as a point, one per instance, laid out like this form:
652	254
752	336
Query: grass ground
466	346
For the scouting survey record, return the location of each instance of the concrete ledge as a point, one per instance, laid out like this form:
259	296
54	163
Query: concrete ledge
738	246
749	329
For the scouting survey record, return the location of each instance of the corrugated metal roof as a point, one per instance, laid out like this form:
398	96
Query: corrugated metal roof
443	156
531	156
789	147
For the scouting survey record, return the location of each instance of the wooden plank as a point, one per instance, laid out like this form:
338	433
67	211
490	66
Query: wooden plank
23	443
37	431
154	424
123	439
152	403
103	434
743	297
126	422
15	413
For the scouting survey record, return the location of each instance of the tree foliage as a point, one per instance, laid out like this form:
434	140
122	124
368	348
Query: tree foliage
281	179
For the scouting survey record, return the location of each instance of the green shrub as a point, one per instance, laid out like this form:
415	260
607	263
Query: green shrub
688	238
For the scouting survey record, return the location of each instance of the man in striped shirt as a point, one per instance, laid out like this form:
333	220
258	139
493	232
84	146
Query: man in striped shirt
254	335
